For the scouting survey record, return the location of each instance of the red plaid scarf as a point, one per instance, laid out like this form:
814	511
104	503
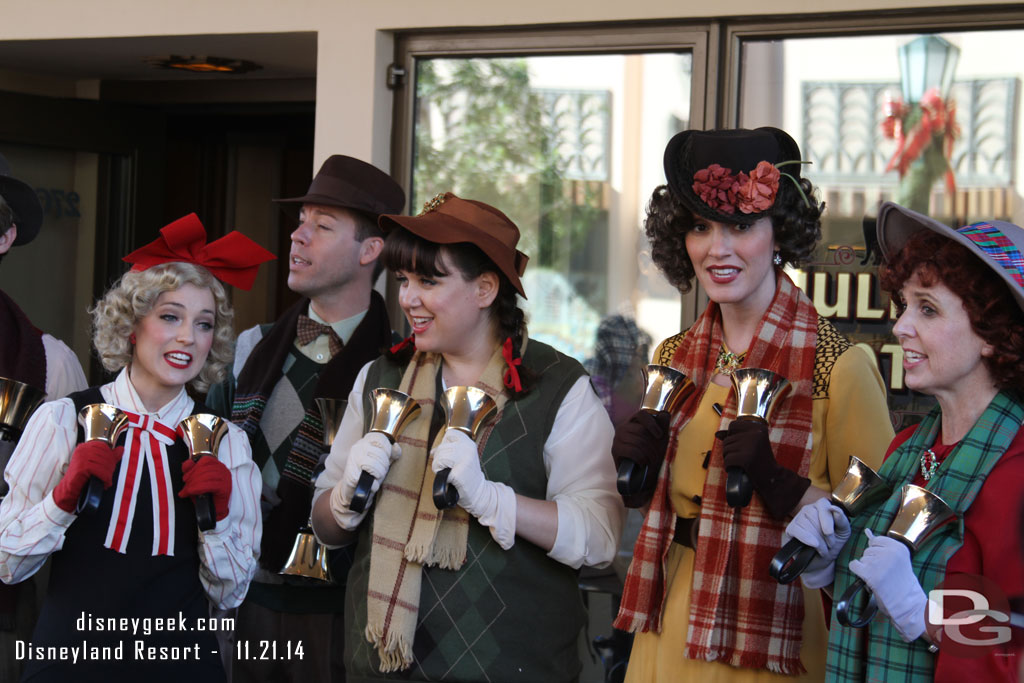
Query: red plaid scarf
738	614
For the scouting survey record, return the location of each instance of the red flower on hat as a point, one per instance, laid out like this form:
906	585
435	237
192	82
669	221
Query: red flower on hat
716	187
758	192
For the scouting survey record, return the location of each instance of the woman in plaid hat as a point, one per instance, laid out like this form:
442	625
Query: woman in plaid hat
133	578
486	590
698	593
960	294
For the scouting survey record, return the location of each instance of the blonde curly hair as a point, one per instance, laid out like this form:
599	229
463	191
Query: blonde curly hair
133	297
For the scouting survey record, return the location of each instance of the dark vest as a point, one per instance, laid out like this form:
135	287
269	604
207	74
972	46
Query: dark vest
519	611
89	582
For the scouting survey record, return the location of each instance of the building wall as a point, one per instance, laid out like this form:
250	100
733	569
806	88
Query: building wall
355	39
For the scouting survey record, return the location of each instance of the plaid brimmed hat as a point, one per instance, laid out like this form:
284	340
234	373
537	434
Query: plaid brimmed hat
998	243
447	219
28	212
348	183
730	176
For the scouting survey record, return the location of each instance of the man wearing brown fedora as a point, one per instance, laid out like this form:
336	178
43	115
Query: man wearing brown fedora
32	357
315	350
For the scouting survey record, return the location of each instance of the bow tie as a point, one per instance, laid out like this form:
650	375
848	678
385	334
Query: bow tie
307	330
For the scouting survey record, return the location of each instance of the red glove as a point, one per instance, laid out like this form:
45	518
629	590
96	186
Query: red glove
89	459
207	475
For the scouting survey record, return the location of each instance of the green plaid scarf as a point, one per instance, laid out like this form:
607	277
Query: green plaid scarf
878	652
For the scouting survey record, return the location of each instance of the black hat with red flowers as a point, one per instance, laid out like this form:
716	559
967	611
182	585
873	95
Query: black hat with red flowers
730	176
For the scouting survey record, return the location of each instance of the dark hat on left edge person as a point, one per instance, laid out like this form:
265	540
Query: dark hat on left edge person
730	176
447	219
1000	245
349	183
28	212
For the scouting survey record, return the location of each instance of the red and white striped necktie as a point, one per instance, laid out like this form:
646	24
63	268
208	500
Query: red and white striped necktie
145	445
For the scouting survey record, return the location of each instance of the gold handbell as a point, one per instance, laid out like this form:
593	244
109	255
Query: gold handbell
17	403
202	434
857	490
390	412
757	394
100	422
921	515
665	388
308	558
466	409
331	412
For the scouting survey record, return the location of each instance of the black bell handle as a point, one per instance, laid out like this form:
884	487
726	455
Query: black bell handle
446	496
90	497
632	478
362	492
843	606
791	561
738	489
206	511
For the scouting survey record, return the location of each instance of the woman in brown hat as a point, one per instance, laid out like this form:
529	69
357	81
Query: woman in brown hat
698	593
960	294
486	590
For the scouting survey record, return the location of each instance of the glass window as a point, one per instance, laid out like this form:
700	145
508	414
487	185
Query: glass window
570	148
885	117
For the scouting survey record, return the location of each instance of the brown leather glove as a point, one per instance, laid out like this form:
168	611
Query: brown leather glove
638	450
746	446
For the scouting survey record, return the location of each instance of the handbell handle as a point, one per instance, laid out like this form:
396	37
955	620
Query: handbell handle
843	606
362	492
100	422
90	497
791	561
446	496
738	488
631	478
206	511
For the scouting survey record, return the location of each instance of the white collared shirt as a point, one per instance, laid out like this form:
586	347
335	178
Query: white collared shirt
32	526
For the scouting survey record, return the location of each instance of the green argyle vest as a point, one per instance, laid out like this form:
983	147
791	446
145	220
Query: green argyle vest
505	615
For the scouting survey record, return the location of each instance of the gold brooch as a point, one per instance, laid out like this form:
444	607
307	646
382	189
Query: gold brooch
728	361
433	203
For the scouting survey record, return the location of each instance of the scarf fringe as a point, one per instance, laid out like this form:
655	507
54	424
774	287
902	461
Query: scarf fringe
748	660
394	650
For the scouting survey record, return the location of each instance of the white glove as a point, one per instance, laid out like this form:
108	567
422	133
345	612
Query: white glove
373	453
493	504
822	526
885	568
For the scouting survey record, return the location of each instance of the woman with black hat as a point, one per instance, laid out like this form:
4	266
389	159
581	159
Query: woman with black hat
961	326
698	594
486	590
132	580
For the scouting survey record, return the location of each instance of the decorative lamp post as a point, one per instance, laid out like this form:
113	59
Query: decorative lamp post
923	123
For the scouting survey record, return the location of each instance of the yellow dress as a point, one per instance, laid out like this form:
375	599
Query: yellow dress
850	417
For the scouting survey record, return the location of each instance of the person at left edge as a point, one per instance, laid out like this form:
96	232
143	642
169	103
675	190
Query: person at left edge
312	351
32	357
164	325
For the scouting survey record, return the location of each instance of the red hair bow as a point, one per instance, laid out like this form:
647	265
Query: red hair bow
511	376
232	259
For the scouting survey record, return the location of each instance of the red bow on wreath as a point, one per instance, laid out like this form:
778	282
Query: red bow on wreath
233	258
938	117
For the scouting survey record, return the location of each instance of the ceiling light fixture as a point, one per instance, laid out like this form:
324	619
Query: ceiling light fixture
203	64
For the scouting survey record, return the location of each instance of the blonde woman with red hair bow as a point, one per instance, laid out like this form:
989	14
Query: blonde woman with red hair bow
139	558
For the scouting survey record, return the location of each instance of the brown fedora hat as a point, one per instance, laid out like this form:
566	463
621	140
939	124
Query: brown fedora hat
349	183
703	167
447	219
28	212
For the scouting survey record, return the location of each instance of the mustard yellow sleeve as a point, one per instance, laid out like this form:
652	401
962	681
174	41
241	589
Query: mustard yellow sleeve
852	420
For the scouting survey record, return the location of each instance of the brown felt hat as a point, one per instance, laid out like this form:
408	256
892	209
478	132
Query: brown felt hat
447	219
349	183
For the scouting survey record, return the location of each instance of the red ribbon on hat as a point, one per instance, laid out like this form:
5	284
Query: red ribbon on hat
511	376
232	259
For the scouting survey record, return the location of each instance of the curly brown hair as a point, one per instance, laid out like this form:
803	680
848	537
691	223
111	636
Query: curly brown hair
796	225
133	296
991	308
